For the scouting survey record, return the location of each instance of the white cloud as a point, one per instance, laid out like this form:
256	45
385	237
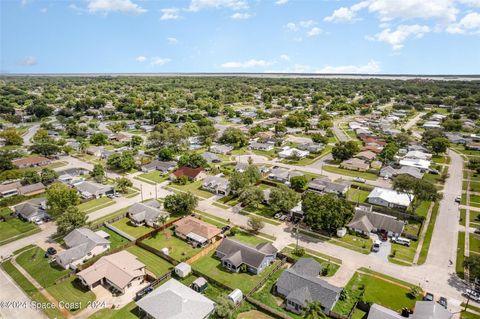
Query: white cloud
397	37
43	10
170	14
471	3
140	58
240	16
314	32
371	67
28	61
292	26
106	6
470	23
23	3
172	40
387	10
246	64
281	2
285	57
76	8
197	5
159	61
306	23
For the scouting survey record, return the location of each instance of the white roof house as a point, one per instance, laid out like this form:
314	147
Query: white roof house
173	300
288	151
389	198
419	155
415	162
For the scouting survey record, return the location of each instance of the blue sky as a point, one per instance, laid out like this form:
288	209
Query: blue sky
369	36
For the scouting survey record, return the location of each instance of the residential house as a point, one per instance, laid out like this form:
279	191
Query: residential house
193	174
389	198
456	138
147	213
164	167
431	124
367	156
32	189
280	175
430	310
31	161
72	176
324	185
312	147
261	146
241	167
235	254
121	271
418	155
217	185
380	312
473	146
390	172
300	285
288	151
195	231
32	210
9	189
174	300
376	149
88	189
415	162
120	137
366	221
221	149
355	164
82	244
211	157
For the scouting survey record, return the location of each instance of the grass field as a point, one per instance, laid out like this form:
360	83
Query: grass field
248	238
474	242
115	239
14	228
460	254
376	289
130	311
154	176
95	204
125	225
346	172
357	195
324	260
194	188
155	264
178	249
428	236
211	266
46	273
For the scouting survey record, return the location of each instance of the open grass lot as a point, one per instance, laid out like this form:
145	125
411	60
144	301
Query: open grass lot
403	253
265	213
474	243
428	236
253	314
95	204
154	176
475	187
422	209
29	289
46	273
475	218
211	266
15	228
439	159
376	289
125	225
154	263
110	216
194	188
248	238
357	243
346	172
265	296
357	195
324	260
130	311
178	249
460	254
229	200
115	239
433	178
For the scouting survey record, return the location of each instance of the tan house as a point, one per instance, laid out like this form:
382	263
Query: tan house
31	161
355	164
366	155
193	174
195	231
119	271
33	189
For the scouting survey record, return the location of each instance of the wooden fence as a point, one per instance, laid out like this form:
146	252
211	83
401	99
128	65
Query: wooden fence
158	253
205	251
110	221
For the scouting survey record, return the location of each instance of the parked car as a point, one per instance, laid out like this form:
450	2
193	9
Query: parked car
376	246
38	221
401	241
428	297
277	216
443	301
458	199
383	235
359	180
50	252
477	231
283	217
472	294
225	229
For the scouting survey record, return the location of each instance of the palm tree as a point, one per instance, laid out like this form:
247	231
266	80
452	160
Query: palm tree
314	311
163	219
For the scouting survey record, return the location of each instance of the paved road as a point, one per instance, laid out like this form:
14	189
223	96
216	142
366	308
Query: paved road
412	122
29	134
9	291
339	133
48	230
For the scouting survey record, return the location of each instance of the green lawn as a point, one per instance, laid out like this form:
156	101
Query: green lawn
154	176
463	213
95	204
376	290
213	292
324	260
211	266
353	242
474	242
475	218
346	172
15	228
178	249
428	236
403	253
115	239
422	209
154	263
29	289
125	225
110	216
194	188
475	187
248	238
357	195
265	213
130	311
34	262
460	254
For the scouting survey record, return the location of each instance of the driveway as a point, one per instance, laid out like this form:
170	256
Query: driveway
385	248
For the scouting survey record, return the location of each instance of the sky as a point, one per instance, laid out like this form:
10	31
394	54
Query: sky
290	36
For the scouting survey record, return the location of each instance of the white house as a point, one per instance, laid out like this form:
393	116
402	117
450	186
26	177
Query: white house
415	162
389	198
288	151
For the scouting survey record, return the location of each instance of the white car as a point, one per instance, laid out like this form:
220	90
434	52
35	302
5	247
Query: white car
37	221
359	180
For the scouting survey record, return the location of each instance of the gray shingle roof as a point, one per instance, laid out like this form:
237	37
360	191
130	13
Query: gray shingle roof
302	287
376	220
31	207
146	212
79	242
239	253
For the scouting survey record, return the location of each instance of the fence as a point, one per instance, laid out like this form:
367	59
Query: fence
144	290
262	282
156	230
118	231
158	253
110	221
205	251
270	311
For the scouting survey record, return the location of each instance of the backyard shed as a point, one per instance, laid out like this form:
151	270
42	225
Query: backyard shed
199	284
236	296
183	270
